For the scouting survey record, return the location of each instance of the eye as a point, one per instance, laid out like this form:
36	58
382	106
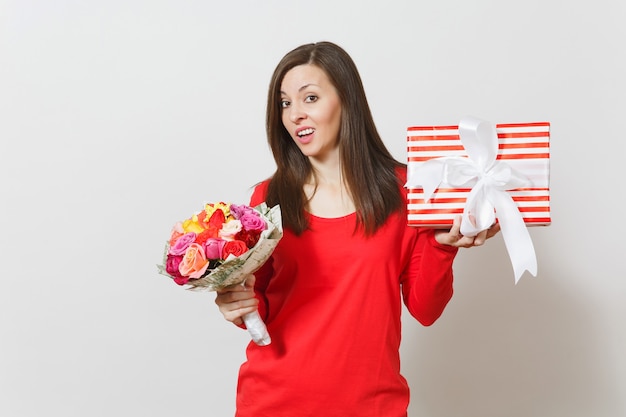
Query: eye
284	104
310	99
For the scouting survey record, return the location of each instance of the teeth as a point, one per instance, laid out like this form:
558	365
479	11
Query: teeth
305	132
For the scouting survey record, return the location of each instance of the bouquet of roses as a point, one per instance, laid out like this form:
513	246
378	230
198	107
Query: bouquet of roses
220	246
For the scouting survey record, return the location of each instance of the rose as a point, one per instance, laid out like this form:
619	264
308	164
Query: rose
171	265
213	248
192	225
250	237
194	263
234	247
252	221
217	219
210	209
239	210
181	280
177	231
230	229
182	243
206	235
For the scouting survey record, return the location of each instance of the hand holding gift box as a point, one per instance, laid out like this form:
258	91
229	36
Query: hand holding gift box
483	173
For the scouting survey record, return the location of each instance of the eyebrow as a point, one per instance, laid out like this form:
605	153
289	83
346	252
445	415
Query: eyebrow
304	87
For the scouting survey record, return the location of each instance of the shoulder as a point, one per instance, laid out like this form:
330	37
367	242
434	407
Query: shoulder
259	193
401	175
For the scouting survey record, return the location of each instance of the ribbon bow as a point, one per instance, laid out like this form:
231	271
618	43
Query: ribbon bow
489	179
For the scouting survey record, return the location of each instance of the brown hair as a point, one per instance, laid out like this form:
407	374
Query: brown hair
367	165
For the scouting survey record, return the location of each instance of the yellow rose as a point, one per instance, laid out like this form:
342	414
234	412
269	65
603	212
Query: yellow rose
193	225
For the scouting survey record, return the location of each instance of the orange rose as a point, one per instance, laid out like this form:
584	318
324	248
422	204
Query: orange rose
177	231
194	263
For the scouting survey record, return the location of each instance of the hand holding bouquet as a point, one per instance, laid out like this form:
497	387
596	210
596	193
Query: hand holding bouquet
220	246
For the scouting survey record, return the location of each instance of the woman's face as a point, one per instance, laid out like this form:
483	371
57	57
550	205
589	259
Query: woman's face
311	110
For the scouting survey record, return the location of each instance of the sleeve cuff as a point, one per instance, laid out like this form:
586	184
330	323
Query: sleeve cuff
437	245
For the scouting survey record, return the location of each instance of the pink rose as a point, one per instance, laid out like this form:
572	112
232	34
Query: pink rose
213	248
171	265
194	263
181	280
252	221
239	210
182	243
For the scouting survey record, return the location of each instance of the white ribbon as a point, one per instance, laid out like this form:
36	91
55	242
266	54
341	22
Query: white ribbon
489	179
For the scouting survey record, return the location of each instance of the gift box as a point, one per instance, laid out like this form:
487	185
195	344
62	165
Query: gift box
485	173
523	147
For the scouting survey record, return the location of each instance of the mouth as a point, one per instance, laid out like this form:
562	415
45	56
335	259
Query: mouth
305	132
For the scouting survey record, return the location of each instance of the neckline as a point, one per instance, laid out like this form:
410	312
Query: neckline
331	219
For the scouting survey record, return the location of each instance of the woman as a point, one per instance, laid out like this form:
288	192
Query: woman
331	292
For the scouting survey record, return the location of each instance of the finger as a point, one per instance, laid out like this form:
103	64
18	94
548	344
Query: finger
249	281
455	230
464	242
233	296
480	238
233	309
453	236
236	316
493	230
233	301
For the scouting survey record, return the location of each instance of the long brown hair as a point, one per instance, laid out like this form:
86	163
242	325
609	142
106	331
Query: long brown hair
367	166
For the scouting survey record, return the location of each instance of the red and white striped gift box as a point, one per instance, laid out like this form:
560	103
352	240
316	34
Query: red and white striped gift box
524	146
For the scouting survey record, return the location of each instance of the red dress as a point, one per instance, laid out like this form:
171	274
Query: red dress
331	300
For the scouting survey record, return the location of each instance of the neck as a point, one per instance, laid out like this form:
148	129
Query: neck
327	171
327	192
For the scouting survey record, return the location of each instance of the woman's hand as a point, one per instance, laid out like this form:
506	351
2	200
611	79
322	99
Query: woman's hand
453	237
237	300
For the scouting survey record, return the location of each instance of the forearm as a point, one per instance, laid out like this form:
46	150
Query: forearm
429	285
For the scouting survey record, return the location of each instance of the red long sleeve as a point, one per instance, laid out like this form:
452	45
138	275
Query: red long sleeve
427	280
331	300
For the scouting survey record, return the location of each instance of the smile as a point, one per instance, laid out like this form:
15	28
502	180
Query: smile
305	132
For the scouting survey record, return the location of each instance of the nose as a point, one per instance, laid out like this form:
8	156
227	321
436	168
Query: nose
296	113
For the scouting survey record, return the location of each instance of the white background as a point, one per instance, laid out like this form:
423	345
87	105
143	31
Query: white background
120	117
